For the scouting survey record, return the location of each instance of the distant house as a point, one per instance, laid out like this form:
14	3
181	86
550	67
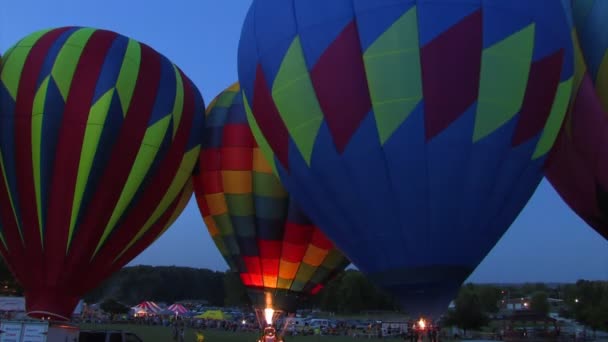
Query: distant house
515	304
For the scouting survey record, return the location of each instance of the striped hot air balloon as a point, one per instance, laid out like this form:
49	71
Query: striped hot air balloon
413	132
262	234
99	135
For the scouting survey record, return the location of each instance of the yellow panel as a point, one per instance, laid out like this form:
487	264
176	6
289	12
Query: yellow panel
315	255
288	270
260	164
270	281
237	182
210	223
216	203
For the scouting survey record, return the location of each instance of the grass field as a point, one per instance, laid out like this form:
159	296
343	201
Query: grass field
163	334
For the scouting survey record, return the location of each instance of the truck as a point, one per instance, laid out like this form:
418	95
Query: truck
37	331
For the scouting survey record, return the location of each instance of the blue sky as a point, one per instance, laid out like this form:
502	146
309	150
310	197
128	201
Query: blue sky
546	243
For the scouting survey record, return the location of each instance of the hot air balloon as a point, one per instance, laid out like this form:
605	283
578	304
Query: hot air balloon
411	132
99	135
280	255
578	164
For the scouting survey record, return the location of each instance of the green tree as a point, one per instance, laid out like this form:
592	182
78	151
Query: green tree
468	313
489	296
114	307
539	303
236	294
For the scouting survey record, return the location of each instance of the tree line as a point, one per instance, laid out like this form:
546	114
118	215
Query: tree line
350	292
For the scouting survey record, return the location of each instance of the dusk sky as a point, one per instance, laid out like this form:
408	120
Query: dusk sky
548	242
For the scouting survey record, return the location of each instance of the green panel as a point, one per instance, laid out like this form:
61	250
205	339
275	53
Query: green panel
320	275
225	99
141	166
305	272
129	71
392	66
246	226
10	197
259	137
11	70
37	116
92	134
232	245
31	39
554	122
67	59
283	283
267	184
219	242
504	77
224	224
178	105
240	204
333	259
298	285
303	116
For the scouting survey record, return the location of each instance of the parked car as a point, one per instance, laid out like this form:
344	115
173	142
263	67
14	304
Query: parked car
108	336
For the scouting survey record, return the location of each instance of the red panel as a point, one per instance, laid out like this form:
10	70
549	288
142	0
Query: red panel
270	267
246	279
297	234
237	158
211	182
451	65
69	146
252	264
268	118
237	135
200	200
256	280
542	86
321	240
293	252
316	289
270	249
341	86
210	159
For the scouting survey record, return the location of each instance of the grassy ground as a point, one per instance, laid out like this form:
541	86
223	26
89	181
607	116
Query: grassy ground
163	334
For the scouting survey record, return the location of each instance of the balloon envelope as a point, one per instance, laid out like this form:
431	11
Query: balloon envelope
261	233
412	132
578	164
98	138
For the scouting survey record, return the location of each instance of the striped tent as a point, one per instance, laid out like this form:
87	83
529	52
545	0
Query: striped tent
178	309
148	307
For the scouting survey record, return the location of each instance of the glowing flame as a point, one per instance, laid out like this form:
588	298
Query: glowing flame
268	314
422	324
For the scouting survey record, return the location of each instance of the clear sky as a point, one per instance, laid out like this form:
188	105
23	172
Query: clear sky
546	243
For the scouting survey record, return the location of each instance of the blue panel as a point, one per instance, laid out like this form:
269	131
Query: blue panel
109	134
247	246
51	55
406	156
371	184
236	114
296	215
217	117
212	138
500	23
269	207
448	156
7	145
270	230
319	24
593	34
111	67
435	18
165	93
248	59
243	226
51	125
375	17
273	43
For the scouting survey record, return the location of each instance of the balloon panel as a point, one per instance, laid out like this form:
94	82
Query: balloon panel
412	132
98	138
259	230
